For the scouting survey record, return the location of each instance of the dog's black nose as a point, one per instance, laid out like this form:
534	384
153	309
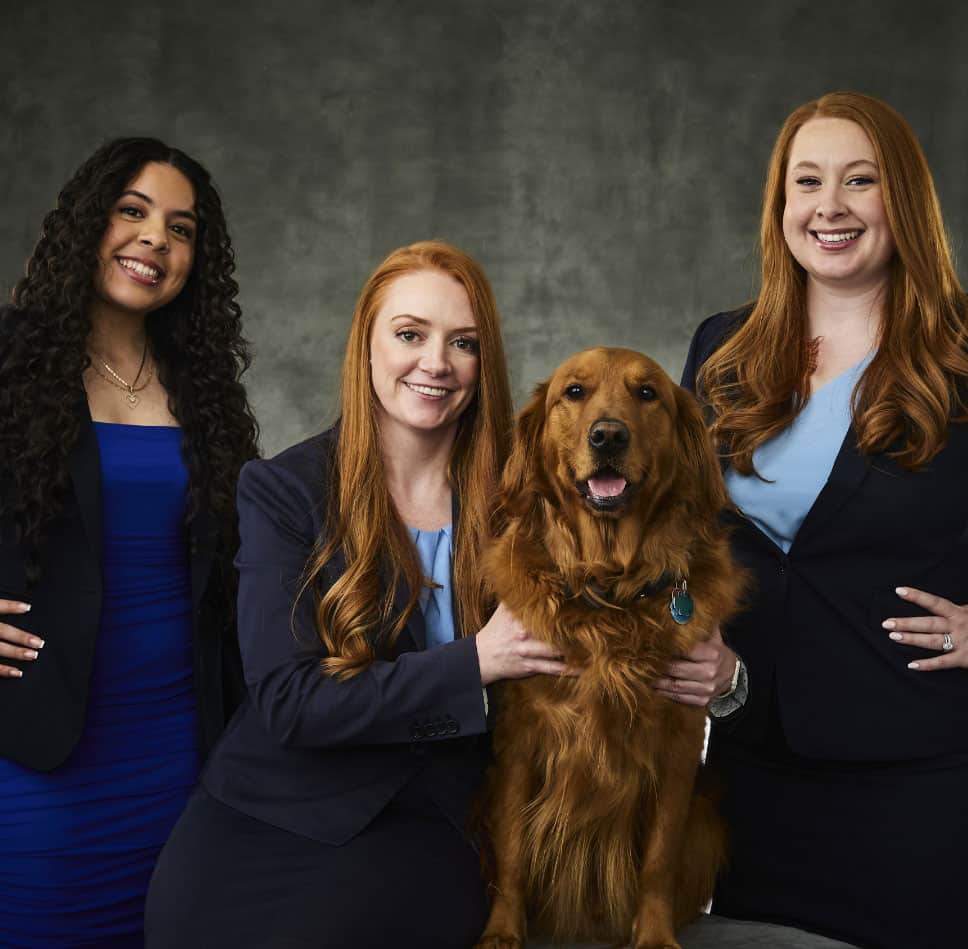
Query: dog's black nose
608	434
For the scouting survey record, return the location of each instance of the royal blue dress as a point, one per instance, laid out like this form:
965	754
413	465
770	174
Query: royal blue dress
78	844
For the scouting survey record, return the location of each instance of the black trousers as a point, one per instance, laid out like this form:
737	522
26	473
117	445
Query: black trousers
225	879
868	853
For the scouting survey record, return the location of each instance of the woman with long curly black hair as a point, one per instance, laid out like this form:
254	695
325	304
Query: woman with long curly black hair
123	426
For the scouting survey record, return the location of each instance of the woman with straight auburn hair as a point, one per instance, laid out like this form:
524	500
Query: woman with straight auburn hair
336	810
366	519
838	401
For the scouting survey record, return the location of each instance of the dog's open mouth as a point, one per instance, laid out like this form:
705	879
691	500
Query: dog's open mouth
606	490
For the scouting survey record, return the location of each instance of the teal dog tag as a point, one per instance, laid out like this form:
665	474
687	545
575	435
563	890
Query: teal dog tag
681	607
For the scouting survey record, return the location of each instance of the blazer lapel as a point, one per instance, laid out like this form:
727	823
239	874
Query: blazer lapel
737	522
202	546
415	623
849	471
455	603
85	469
414	628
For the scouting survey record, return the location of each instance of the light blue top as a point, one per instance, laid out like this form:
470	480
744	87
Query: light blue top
435	549
797	463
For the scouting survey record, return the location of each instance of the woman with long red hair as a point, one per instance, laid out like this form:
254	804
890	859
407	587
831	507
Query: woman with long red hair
336	810
838	400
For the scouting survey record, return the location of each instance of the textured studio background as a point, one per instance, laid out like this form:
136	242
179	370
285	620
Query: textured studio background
603	160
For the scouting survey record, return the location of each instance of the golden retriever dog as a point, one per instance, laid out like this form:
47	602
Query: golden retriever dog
610	548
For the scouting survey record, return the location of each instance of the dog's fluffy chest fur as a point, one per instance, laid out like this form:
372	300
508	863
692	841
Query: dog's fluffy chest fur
599	728
590	748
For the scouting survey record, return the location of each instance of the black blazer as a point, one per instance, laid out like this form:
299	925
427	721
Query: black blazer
42	715
317	756
811	636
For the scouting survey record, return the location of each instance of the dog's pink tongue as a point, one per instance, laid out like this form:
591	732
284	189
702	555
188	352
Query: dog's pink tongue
608	486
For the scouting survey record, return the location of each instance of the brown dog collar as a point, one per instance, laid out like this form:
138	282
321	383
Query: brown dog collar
594	594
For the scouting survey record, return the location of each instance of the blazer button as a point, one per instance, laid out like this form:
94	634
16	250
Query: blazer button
416	732
452	727
781	568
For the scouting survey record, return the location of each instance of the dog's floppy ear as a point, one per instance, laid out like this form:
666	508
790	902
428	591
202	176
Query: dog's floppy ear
698	456
523	475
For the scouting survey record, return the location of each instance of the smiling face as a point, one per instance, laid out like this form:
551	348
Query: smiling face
834	220
611	414
148	248
424	355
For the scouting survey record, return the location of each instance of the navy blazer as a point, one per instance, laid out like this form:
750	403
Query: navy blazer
306	752
811	636
42	715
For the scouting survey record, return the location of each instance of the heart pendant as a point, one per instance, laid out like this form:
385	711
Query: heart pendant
133	400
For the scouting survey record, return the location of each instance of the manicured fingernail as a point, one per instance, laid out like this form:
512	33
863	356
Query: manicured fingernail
30	654
15	673
901	591
22	607
897	637
914	665
888	624
36	642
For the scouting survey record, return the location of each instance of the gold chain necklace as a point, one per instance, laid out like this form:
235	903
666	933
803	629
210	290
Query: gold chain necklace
132	388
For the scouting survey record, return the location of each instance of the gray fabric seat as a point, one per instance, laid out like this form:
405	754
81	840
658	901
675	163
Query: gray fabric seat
718	932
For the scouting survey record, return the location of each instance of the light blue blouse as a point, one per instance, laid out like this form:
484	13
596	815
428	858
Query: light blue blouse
434	548
797	463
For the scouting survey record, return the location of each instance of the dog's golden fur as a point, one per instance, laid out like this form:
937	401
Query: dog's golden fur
596	827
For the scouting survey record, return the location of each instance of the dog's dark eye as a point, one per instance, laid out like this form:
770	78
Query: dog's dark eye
574	392
646	393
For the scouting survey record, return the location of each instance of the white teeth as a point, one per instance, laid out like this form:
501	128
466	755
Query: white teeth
139	268
838	238
428	390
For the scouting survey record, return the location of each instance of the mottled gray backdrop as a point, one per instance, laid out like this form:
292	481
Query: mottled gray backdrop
602	159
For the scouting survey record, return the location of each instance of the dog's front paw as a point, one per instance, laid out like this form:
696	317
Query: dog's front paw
653	929
507	925
654	940
668	942
499	941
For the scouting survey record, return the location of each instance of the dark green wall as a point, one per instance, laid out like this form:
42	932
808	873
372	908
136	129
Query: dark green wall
603	160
